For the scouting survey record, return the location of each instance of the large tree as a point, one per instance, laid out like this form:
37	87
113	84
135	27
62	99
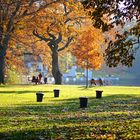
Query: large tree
118	12
11	12
58	26
87	50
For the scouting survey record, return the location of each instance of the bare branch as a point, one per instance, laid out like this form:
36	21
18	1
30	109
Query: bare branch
66	10
30	4
35	33
51	35
59	39
67	43
12	16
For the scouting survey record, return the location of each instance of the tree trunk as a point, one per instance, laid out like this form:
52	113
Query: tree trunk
87	75
2	65
3	48
55	68
1	58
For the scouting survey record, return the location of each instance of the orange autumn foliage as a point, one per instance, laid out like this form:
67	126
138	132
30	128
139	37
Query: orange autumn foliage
87	49
64	18
13	16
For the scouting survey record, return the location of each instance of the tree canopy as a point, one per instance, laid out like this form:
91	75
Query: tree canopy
117	13
57	26
87	49
11	13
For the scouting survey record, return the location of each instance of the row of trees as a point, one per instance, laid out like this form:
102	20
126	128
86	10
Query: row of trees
56	24
48	27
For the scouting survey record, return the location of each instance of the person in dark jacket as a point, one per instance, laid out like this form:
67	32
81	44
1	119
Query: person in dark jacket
39	78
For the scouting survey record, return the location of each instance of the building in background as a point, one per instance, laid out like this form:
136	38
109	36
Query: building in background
34	66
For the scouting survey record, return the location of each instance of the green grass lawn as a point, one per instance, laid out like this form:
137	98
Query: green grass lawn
116	116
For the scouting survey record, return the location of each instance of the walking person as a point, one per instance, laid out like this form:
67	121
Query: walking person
39	78
45	80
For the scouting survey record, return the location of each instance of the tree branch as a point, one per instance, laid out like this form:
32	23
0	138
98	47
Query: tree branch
35	33
59	39
39	9
30	4
65	9
12	16
67	43
76	18
51	35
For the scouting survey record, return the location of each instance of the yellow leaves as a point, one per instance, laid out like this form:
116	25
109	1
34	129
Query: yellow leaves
19	32
67	17
14	56
63	16
87	48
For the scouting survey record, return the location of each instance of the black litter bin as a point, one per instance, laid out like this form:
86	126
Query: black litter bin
39	96
83	102
56	92
99	93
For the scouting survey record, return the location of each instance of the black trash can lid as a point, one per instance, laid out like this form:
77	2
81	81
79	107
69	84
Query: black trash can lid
100	90
40	93
83	97
56	89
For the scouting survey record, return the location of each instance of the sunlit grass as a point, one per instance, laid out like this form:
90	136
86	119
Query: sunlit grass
115	116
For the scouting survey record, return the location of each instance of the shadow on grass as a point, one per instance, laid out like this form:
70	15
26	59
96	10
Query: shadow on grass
54	133
61	133
63	119
90	87
16	85
114	103
114	130
23	91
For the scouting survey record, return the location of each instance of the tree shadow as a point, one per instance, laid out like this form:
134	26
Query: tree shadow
113	103
22	92
64	119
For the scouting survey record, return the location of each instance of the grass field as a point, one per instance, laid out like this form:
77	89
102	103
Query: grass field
116	116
